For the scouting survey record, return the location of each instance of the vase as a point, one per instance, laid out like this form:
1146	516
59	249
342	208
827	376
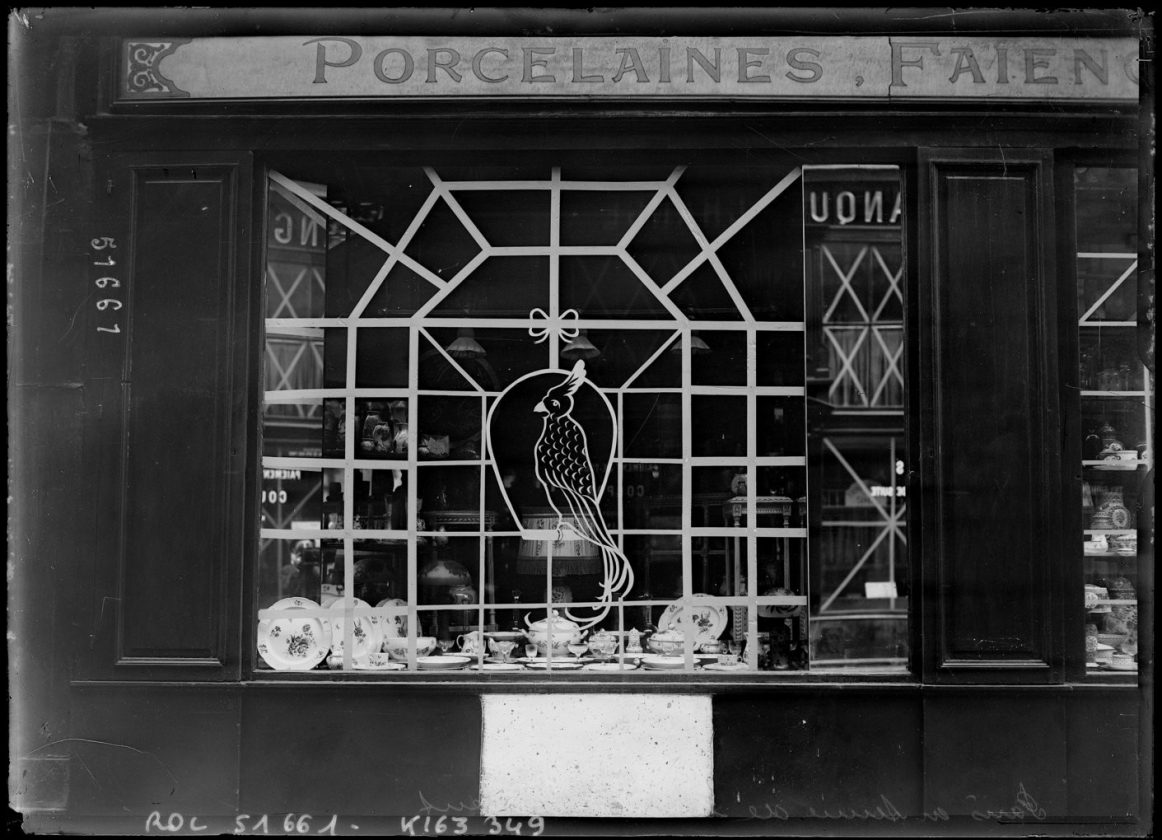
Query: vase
1113	505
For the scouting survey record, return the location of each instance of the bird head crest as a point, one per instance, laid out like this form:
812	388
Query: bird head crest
559	399
573	380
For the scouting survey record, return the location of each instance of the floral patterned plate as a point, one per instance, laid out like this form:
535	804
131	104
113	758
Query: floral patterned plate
393	626
288	643
365	629
709	620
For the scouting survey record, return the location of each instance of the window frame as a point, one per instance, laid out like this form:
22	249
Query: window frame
826	158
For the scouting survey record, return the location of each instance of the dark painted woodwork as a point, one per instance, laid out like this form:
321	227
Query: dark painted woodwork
987	223
177	751
982	748
359	752
1105	731
49	508
169	437
805	753
180	296
792	761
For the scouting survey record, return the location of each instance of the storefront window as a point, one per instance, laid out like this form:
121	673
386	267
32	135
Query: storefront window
583	418
1117	404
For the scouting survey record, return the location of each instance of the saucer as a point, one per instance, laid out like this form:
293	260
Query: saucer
611	667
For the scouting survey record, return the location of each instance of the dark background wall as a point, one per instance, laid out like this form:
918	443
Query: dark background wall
191	737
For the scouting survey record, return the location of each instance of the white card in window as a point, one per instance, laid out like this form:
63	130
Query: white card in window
880	589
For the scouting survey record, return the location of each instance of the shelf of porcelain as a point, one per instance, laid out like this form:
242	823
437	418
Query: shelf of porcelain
1115	465
1112	532
1113	394
1109	555
1116	602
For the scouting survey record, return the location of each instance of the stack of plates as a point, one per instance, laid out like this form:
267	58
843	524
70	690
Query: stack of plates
657	662
497	666
446	662
727	667
612	667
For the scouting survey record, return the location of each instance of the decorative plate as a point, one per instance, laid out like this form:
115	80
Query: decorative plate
611	667
364	628
725	666
543	665
709	620
444	662
1120	517
393	626
497	666
288	643
656	662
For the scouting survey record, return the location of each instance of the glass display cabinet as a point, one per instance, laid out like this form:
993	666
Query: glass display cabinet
1116	408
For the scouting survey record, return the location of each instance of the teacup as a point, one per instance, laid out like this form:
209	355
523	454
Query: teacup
378	660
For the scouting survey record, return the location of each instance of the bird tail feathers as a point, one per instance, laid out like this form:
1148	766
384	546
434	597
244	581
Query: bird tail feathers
618	574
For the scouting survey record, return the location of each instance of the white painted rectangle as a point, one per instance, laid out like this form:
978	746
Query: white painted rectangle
591	755
880	589
800	66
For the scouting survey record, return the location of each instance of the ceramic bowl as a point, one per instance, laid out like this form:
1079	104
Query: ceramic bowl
397	647
505	635
1122	662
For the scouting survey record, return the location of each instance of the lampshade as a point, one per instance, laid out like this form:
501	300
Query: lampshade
697	345
465	345
447	573
580	347
571	555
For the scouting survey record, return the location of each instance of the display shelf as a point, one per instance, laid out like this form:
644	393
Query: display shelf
1116	602
1113	394
1112	532
1115	466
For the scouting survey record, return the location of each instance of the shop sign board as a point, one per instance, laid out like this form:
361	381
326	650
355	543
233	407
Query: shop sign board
921	67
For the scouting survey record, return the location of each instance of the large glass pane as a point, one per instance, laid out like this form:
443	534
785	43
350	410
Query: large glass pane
574	417
1116	406
855	360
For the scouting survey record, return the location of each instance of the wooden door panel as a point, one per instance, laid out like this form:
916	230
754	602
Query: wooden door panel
989	273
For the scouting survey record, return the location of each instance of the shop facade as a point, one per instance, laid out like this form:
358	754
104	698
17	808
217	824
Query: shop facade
743	420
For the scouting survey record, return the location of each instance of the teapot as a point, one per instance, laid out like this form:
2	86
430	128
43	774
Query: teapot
564	633
667	642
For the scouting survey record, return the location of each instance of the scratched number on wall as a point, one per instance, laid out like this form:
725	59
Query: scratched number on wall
108	284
